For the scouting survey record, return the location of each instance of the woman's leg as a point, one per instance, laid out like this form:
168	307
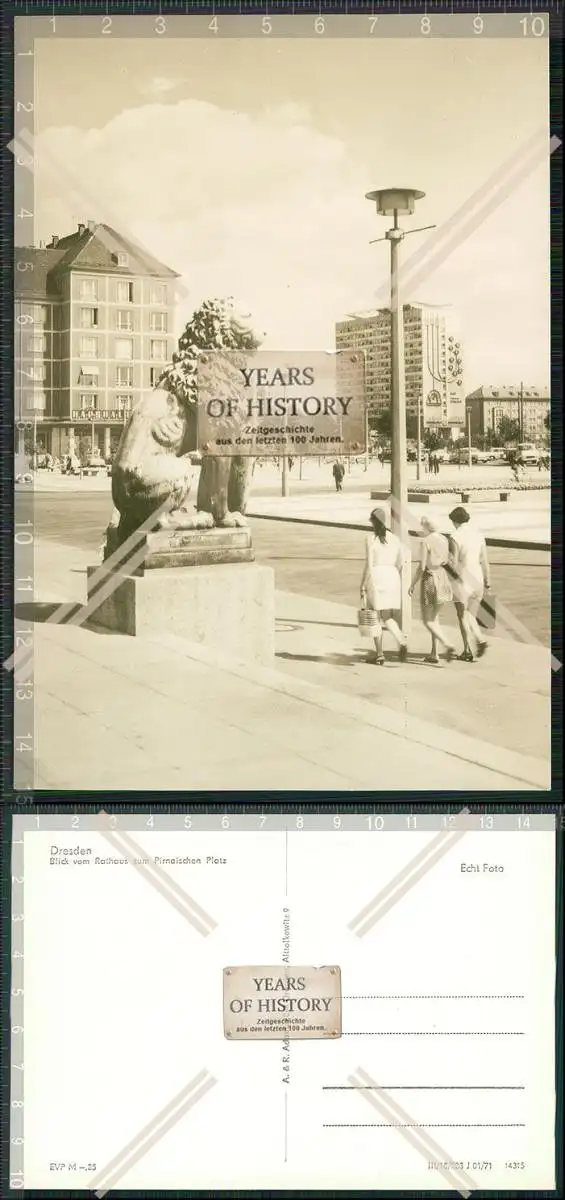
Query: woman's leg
379	647
437	633
434	656
393	627
473	624
461	617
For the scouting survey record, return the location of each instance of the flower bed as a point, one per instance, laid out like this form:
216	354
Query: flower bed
527	486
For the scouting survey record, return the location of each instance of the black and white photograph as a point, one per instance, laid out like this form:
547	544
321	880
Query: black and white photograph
283	403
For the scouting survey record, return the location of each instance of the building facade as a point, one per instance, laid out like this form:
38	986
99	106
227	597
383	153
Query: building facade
529	407
433	362
94	331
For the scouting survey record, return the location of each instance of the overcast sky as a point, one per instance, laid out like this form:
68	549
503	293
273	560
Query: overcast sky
243	165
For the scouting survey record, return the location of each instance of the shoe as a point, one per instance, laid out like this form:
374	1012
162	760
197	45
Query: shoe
403	653
482	649
431	659
451	653
466	656
380	661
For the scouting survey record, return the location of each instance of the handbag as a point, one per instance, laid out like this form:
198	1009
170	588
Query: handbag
486	615
368	621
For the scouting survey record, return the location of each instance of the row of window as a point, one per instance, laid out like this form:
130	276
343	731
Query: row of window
122	291
90	319
89	377
90	400
37	372
123	348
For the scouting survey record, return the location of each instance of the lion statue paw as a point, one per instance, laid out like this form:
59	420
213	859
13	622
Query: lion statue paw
233	520
182	519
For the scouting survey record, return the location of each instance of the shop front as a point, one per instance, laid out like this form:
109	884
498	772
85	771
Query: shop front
88	433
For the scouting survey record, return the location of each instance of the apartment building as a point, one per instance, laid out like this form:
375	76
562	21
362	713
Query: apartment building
433	362
94	331
528	406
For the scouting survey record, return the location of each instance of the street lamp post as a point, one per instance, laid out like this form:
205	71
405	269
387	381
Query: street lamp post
397	202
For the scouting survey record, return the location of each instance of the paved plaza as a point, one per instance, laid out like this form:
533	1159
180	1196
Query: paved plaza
525	517
163	714
160	713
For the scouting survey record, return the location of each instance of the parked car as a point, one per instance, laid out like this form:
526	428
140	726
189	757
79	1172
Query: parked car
529	454
526	453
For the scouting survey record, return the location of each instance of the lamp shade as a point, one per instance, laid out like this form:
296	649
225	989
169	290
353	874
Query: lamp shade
395	200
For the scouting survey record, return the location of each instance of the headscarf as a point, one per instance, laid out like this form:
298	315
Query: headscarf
430	523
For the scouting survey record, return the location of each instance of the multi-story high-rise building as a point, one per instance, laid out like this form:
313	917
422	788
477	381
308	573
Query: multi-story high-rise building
433	362
528	407
94	331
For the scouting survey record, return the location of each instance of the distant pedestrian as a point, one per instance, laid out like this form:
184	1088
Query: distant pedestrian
430	463
470	565
435	585
381	583
338	470
436	464
290	464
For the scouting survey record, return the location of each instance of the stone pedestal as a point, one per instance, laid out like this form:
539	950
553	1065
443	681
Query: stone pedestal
180	548
229	607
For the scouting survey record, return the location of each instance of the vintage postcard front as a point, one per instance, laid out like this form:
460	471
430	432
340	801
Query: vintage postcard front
282	294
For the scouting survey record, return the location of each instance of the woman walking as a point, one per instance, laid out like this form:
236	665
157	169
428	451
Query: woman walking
472	569
435	587
381	583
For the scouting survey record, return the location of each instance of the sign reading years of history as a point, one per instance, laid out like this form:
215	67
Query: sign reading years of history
282	1002
267	403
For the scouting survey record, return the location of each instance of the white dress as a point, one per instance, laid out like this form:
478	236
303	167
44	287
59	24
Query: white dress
385	561
470	546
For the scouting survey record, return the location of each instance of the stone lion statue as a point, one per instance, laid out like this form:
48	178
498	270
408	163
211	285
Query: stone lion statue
153	468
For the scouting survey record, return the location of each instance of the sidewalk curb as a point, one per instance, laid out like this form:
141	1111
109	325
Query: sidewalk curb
526	770
511	543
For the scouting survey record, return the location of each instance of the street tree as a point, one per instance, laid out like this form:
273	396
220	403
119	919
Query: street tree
508	431
381	422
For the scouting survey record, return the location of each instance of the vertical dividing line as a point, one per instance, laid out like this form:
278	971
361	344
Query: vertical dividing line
286	863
